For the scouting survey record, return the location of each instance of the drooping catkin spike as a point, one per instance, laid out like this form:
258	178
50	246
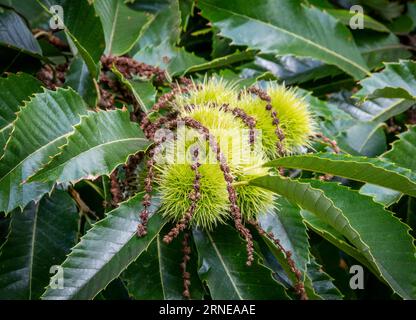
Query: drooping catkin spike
273	113
331	143
129	67
299	285
334	146
186	276
115	189
166	99
194	196
249	121
148	187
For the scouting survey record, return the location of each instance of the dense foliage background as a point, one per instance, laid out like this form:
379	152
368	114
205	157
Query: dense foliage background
71	94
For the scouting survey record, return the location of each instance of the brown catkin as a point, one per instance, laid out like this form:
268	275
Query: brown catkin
194	196
186	276
334	146
299	285
115	190
275	119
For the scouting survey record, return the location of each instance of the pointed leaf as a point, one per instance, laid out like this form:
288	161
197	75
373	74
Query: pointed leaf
379	48
327	232
223	267
100	142
286	27
156	274
397	80
79	78
143	91
319	284
223	61
157	44
14	89
83	27
121	24
402	148
15	34
35	138
377	110
287	225
398	154
375	171
382	238
105	251
40	237
369	23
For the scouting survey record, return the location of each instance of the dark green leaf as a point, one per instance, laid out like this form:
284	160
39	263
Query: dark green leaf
39	238
156	274
34	139
105	251
319	285
379	48
14	89
157	44
363	169
83	27
399	154
287	225
397	80
382	238
345	17
99	143
121	24
223	267
285	27
80	79
15	34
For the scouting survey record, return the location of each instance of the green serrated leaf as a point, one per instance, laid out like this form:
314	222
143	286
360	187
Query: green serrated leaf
319	285
327	232
398	154
157	44
287	225
39	238
16	35
377	110
143	91
79	78
122	25
34	139
156	274
375	171
382	238
397	80
402	148
345	17
100	142
379	48
222	266
83	27
223	61
286	27
107	249
14	89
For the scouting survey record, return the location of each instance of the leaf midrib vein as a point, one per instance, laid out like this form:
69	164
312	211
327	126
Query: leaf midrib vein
224	265
86	151
295	36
